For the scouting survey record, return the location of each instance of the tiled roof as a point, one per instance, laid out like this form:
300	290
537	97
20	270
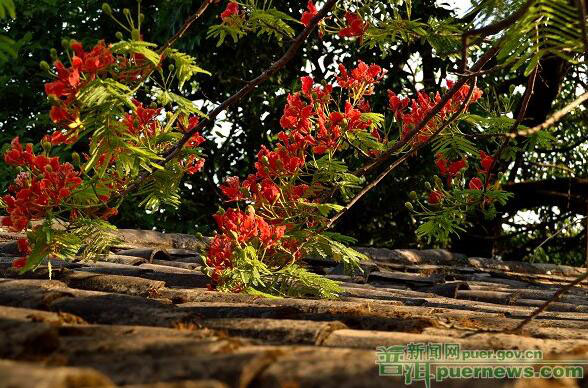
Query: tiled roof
143	317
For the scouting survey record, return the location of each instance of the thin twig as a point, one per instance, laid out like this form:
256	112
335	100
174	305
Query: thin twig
554	298
171	41
243	92
403	158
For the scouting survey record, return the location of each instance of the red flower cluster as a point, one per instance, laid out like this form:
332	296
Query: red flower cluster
46	185
309	125
355	25
238	227
310	12
85	66
422	105
486	162
143	120
232	9
363	76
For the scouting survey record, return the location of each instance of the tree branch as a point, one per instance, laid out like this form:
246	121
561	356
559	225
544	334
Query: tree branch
402	159
243	92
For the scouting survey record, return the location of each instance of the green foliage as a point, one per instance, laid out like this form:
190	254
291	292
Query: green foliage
264	21
550	27
185	66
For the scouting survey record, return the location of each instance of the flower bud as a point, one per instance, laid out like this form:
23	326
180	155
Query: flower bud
127	12
171	68
220	211
428	186
44	65
141	17
119	35
250	209
106	9
511	89
409	206
265	160
46	146
53	53
75	157
65	43
438	181
135	34
412	195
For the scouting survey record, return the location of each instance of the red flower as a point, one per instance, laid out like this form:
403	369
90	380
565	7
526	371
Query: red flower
307	83
269	190
142	120
244	225
486	161
475	184
309	13
188	125
19	263
195	140
435	197
193	164
355	25
23	246
232	189
361	75
450	170
297	114
232	9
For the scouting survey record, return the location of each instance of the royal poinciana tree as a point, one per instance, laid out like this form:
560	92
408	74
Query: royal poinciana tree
481	114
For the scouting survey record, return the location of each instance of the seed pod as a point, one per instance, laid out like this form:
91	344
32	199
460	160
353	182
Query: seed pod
53	53
127	12
141	17
106	9
171	68
511	89
250	209
412	195
44	65
409	206
428	186
438	181
119	35
65	43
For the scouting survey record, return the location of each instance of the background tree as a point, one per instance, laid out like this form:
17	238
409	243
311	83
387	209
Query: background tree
547	181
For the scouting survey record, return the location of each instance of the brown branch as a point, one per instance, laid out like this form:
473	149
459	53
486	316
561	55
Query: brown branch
529	90
557	116
403	158
243	92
